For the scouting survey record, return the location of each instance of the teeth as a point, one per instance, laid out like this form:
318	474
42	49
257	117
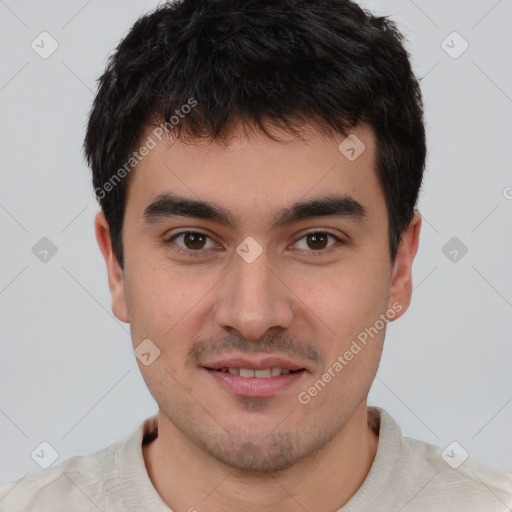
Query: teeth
259	374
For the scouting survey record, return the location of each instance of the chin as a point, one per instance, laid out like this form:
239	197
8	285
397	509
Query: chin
264	451
253	458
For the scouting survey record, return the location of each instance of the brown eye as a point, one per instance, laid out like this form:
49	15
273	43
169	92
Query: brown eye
191	242
317	240
194	241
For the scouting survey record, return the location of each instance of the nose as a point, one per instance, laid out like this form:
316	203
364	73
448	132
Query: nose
254	299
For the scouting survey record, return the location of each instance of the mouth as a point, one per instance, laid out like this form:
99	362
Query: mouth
248	373
264	378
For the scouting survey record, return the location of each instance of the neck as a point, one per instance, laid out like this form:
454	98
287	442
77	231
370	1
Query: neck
187	478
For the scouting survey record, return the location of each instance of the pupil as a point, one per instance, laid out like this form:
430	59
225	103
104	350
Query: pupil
195	240
319	241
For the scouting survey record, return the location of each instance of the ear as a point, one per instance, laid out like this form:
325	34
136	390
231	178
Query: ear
401	278
114	271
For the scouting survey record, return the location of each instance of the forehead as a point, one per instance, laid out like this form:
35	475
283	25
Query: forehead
255	176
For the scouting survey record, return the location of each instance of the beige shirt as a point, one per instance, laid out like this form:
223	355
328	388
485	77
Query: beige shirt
407	475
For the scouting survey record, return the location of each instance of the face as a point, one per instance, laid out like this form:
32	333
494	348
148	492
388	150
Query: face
260	270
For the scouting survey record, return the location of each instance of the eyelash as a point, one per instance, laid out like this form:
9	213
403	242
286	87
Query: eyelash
200	252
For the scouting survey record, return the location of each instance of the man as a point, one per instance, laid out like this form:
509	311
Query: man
258	164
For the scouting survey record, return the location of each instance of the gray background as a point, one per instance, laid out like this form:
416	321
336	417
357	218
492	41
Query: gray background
68	375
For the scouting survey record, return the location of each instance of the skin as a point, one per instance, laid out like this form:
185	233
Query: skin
217	451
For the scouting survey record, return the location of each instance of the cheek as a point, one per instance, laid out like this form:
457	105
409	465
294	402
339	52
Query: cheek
155	301
348	304
349	296
354	342
164	303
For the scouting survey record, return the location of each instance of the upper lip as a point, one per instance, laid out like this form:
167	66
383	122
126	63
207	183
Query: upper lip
253	363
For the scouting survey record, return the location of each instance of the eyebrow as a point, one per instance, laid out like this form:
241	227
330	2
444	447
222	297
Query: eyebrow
170	205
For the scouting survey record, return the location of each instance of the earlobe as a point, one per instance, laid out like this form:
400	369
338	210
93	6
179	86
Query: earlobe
114	272
401	275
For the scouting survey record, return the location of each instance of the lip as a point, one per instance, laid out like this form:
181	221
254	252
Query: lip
254	364
253	386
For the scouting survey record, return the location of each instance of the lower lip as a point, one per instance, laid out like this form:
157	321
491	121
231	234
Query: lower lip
252	386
